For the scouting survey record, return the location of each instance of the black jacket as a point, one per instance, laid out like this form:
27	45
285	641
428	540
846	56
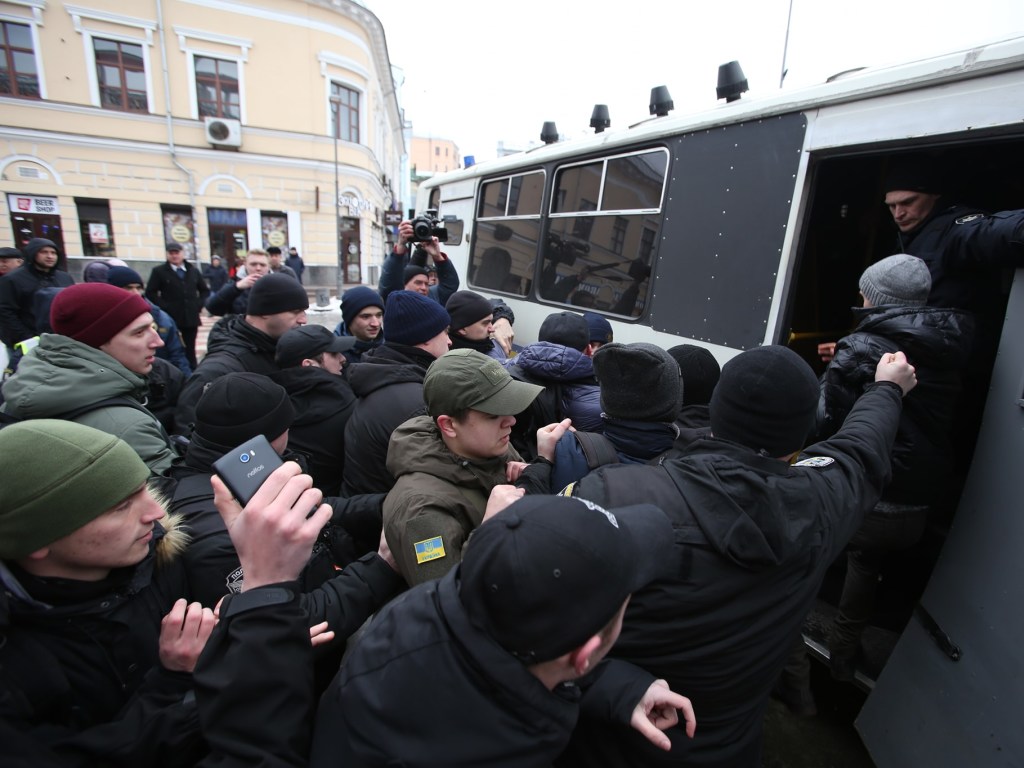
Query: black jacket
426	687
17	288
389	384
229	300
258	718
937	342
182	299
323	403
79	665
965	251
235	346
753	538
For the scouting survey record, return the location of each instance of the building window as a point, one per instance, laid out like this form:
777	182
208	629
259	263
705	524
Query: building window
95	227
619	234
647	244
121	74
345	113
437	151
18	73
217	88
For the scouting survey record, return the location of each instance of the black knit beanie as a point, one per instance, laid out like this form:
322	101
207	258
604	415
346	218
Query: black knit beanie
411	271
700	372
355	300
466	308
413	318
766	400
275	293
638	381
239	406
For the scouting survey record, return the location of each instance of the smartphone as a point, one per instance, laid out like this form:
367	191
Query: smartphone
243	469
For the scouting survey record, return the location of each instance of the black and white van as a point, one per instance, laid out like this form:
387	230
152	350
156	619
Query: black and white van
749	224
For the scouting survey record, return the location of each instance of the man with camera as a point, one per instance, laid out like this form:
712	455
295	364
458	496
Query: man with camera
402	271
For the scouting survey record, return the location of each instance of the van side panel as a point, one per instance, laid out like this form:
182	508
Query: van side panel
926	708
729	199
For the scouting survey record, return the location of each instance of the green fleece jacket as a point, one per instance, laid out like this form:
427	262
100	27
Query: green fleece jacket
61	375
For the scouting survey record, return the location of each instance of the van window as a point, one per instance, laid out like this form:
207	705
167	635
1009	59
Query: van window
507	233
603	226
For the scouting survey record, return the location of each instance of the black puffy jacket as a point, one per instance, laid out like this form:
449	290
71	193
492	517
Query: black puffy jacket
389	384
937	342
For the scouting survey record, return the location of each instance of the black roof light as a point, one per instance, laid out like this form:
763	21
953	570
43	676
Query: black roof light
731	81
549	133
661	101
599	118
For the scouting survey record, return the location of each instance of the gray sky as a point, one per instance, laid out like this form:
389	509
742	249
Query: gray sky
479	72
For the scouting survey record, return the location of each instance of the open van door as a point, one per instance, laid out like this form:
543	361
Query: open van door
952	693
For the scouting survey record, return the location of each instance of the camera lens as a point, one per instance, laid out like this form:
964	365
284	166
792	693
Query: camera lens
244	458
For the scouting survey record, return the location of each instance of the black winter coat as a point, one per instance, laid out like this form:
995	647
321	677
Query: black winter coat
753	538
182	299
389	384
426	687
323	403
937	342
233	346
79	665
17	289
965	251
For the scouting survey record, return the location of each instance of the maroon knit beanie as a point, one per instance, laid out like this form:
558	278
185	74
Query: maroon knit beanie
93	313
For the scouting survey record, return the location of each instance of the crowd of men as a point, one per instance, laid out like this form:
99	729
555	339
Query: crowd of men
575	552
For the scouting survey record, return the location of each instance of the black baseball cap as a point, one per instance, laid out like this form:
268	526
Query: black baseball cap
565	328
309	341
546	574
173	246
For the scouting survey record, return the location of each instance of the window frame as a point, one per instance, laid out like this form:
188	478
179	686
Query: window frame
122	69
216	85
136	31
36	58
334	121
222	42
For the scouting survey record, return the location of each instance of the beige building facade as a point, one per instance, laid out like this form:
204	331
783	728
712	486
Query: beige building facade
213	123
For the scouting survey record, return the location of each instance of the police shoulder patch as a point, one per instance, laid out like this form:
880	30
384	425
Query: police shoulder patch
816	461
429	549
970	217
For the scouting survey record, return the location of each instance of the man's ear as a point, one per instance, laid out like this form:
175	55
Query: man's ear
582	657
39	554
447	425
310	363
461	332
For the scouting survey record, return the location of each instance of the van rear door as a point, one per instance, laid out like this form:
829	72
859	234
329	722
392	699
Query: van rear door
928	706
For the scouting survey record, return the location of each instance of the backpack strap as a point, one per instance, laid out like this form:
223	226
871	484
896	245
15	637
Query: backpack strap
597	449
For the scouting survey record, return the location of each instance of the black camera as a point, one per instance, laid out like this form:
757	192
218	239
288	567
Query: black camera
565	251
427	226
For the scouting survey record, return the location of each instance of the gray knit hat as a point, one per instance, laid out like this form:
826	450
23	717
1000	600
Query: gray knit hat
638	381
902	280
62	476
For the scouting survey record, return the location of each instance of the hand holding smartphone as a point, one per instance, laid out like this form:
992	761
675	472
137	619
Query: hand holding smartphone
243	469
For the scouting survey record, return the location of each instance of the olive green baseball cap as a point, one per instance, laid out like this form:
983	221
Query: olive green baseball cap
465	378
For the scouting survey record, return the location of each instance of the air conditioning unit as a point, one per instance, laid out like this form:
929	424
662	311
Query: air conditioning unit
223	132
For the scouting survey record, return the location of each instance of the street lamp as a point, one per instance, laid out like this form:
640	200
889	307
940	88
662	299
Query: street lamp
336	104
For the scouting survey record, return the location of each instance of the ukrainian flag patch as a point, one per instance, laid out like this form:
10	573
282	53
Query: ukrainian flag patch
429	549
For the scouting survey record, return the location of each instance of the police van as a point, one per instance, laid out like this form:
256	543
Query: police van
749	224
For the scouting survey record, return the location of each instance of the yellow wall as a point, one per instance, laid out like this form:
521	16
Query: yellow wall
288	52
